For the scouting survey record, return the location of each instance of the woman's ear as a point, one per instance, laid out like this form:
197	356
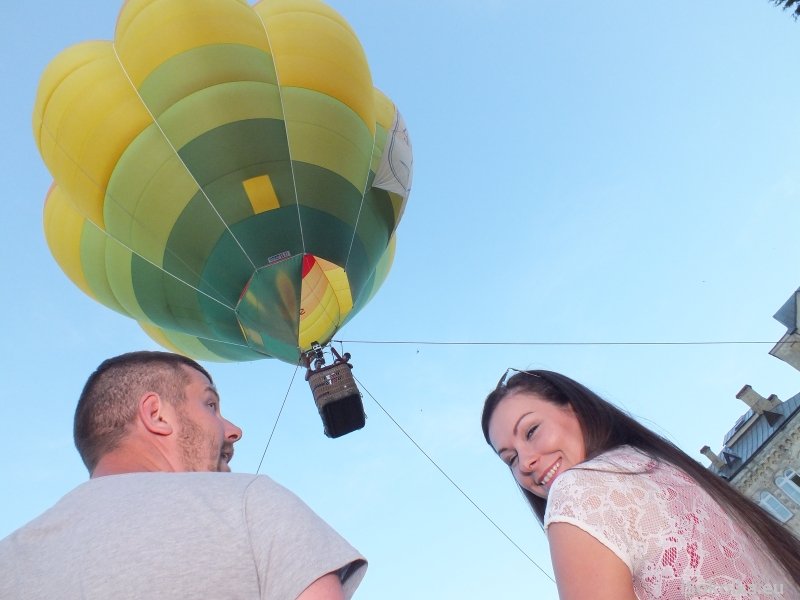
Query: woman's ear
154	414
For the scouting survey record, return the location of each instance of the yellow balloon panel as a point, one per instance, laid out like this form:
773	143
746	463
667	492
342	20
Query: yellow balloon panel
314	48
78	247
384	109
180	343
341	286
272	8
63	226
319	308
157	335
261	194
68	61
153	31
87	122
325	300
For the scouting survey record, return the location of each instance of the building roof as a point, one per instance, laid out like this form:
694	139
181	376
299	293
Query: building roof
747	444
787	314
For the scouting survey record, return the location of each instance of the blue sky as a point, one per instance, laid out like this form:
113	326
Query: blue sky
613	171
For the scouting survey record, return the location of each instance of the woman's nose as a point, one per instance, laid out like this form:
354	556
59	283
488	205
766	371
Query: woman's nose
527	461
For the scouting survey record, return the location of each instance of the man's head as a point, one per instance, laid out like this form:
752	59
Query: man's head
152	411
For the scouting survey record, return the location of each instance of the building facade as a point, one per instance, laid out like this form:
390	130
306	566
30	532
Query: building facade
761	455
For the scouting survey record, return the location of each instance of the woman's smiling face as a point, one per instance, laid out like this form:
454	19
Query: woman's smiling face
537	439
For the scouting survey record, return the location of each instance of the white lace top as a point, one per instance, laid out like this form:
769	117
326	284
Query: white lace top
677	542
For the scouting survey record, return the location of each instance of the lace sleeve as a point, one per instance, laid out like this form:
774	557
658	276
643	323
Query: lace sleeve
675	539
607	506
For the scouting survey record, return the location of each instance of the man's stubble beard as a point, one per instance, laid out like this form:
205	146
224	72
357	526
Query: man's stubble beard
199	450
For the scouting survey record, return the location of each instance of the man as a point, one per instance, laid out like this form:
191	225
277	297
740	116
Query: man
157	519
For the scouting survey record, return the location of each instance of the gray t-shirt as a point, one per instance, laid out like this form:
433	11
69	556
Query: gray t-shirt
175	535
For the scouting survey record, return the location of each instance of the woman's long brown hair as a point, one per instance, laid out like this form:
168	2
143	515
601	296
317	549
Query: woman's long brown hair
606	427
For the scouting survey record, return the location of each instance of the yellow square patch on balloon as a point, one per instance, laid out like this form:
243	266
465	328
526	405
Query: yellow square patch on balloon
261	194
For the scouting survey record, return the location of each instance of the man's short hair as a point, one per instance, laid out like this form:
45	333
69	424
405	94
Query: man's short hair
108	404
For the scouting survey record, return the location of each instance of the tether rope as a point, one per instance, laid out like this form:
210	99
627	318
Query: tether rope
278	418
455	485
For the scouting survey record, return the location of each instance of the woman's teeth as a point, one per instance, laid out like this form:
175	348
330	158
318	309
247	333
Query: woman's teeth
549	475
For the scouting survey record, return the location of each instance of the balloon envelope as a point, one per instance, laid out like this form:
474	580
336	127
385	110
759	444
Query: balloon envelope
226	175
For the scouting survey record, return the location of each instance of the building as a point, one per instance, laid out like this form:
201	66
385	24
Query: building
761	455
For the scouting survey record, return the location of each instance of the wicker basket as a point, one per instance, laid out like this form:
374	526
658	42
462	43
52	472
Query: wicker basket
337	397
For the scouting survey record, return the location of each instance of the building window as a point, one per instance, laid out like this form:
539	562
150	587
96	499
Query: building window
774	507
789	482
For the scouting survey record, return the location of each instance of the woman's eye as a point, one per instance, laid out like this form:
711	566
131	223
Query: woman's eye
511	461
530	432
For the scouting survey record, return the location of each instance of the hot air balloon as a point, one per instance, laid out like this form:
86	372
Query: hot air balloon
224	174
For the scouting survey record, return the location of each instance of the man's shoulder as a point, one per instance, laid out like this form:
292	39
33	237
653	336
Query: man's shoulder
224	491
187	478
183	483
105	498
138	522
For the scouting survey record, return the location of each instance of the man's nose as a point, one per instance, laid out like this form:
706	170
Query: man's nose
232	432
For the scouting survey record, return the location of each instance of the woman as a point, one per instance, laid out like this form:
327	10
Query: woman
627	514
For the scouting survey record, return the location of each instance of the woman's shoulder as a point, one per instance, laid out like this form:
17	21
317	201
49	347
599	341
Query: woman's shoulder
608	466
607	497
620	473
621	460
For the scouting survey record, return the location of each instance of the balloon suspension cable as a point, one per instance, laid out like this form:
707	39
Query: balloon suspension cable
652	343
316	356
278	418
455	485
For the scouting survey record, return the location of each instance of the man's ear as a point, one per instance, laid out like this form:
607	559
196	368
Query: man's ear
152	414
